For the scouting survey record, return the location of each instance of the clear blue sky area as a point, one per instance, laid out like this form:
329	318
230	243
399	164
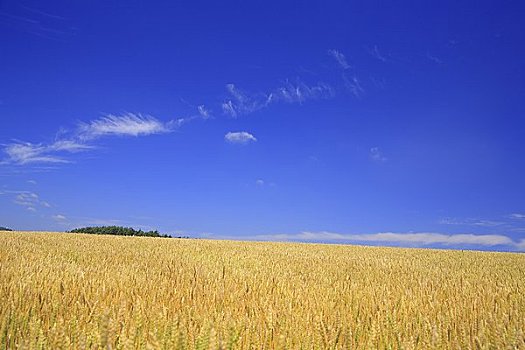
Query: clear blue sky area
371	122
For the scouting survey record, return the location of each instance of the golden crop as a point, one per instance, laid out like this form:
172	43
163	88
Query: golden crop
83	291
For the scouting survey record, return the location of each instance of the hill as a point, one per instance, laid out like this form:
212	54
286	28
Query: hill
95	291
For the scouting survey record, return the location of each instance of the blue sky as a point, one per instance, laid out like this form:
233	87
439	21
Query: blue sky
394	123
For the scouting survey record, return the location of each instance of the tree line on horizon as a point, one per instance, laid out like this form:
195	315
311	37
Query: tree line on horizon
118	231
114	230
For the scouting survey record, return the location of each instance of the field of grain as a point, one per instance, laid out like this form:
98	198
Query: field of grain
61	291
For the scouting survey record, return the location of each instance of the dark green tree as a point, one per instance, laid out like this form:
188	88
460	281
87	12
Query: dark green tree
118	230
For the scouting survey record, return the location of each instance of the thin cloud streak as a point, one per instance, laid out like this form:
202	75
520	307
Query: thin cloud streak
129	124
434	58
471	222
354	86
412	239
229	108
241	103
340	58
300	92
374	52
59	218
80	140
30	200
37	22
377	155
204	112
25	152
517	216
43	13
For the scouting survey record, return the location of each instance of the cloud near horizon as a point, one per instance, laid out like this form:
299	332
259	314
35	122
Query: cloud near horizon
418	239
518	216
471	222
59	218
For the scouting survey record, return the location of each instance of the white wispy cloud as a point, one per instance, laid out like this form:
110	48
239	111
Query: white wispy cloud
59	218
30	200
354	86
82	137
229	108
203	112
26	152
340	58
71	146
379	83
264	183
374	51
471	222
128	124
410	239
241	102
240	137
434	58
39	23
517	216
377	155
299	92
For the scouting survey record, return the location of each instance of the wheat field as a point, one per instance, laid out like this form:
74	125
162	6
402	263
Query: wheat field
73	291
